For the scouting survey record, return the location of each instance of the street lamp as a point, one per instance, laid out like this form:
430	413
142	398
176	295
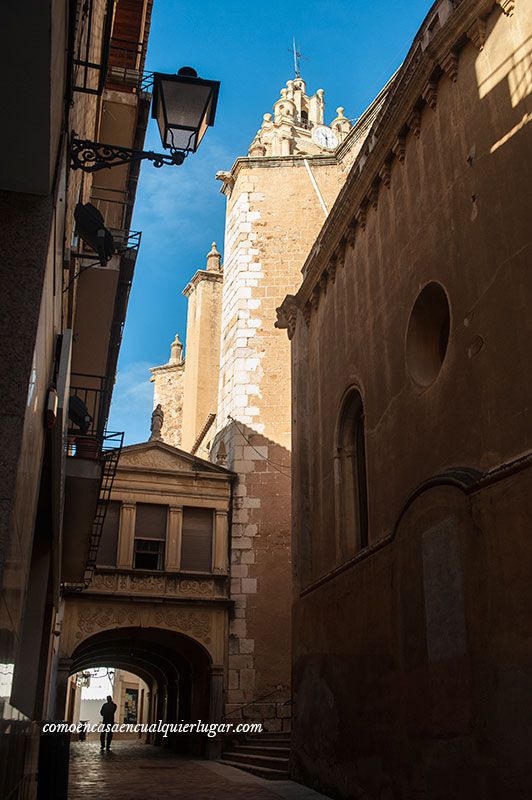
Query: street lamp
184	107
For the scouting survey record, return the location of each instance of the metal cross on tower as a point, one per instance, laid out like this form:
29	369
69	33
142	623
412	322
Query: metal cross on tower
297	58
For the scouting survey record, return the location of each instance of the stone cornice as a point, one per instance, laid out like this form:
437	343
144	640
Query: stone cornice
415	86
167	368
202	275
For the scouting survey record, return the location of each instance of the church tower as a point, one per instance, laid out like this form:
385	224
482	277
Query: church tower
277	200
231	400
200	387
168	393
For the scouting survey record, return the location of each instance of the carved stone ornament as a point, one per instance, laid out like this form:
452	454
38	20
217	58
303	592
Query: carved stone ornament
195	623
315	297
351	233
157	419
307	312
385	174
99	618
399	148
146	583
373	195
507	6
287	315
414	122
195	587
477	33
430	94
361	216
449	64
324	277
106	582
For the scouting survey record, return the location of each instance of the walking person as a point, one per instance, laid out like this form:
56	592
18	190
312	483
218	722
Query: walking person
108	715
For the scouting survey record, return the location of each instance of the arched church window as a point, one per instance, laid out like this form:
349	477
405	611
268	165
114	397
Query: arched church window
350	469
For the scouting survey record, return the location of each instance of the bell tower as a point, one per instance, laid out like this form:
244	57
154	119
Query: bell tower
277	200
296	123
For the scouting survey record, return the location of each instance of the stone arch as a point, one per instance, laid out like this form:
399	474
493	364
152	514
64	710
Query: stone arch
440	604
351	500
177	649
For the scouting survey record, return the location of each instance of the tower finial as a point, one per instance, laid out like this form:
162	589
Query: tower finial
213	259
298	56
297	59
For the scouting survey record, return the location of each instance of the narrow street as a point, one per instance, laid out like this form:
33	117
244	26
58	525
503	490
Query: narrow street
136	771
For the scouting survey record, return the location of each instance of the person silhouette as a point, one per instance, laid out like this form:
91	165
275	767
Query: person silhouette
108	715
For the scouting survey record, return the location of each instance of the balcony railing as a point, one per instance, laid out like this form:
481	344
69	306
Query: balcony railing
88	438
301	122
88	413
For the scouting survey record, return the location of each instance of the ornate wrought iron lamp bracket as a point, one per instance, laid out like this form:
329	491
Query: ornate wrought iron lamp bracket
93	156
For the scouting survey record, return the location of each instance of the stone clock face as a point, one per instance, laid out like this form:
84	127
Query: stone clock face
325	137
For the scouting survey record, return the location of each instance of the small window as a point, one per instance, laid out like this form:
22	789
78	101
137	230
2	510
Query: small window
149	554
196	542
150	536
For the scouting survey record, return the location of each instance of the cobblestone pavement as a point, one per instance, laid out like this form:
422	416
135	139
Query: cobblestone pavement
137	771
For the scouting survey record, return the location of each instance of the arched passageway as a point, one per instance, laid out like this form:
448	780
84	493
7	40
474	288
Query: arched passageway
177	670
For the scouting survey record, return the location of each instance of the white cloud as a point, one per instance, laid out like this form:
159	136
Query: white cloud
132	402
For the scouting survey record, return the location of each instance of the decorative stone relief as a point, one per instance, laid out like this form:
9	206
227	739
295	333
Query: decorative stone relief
414	122
361	217
287	315
351	233
154	459
385	174
107	582
477	33
430	94
373	195
196	587
150	583
196	623
399	148
507	6
96	618
449	64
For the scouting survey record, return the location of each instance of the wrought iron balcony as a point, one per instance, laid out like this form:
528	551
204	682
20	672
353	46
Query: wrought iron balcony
301	122
92	459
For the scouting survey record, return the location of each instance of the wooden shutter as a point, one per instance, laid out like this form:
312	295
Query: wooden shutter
109	540
196	542
150	521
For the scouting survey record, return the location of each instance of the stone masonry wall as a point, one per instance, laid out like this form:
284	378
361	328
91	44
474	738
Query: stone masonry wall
273	218
168	391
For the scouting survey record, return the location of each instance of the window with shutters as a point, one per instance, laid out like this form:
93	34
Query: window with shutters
150	536
196	541
109	539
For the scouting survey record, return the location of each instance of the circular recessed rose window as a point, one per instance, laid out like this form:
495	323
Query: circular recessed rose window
427	335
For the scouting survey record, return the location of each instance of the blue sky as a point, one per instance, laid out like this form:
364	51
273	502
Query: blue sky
351	49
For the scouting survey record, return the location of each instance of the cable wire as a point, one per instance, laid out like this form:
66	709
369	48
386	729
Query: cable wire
265	458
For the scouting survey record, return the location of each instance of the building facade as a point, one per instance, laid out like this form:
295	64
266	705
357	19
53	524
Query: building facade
158	603
229	399
412	434
74	73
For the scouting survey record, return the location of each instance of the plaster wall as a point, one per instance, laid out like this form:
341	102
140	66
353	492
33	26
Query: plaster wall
411	665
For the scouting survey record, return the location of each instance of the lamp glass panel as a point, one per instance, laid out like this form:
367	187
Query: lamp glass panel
185	108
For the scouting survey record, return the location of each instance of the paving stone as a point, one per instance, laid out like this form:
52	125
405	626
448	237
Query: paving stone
138	771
